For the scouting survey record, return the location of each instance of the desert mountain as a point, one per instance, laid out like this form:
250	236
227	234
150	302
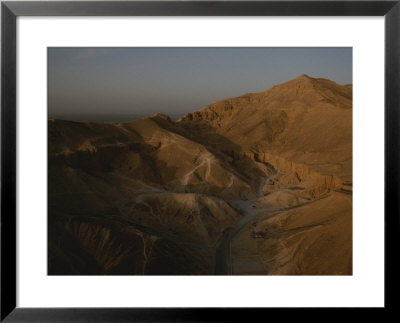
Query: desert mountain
305	120
257	184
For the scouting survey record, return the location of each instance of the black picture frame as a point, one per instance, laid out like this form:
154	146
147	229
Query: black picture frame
10	10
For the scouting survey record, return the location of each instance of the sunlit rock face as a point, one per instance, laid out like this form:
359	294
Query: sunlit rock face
257	184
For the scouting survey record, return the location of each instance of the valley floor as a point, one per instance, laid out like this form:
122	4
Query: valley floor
289	239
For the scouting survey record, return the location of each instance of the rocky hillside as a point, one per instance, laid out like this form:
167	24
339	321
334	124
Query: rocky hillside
257	184
307	121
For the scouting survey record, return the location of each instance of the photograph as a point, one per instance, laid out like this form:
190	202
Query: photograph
200	161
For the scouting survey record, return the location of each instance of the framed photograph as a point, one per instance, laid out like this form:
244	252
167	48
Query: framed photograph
197	161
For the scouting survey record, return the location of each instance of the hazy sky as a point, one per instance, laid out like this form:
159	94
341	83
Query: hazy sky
177	80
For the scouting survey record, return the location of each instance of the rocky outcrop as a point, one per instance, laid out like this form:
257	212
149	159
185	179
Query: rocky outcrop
295	173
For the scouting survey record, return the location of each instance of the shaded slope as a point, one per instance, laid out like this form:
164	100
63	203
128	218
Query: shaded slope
136	180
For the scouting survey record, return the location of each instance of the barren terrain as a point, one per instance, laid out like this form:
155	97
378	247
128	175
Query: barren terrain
260	184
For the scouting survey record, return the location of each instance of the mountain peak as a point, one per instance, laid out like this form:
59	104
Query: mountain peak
304	77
